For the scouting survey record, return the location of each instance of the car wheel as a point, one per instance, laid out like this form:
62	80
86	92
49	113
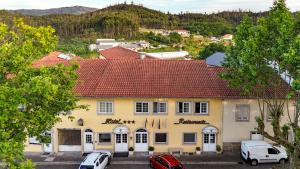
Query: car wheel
254	162
151	165
282	161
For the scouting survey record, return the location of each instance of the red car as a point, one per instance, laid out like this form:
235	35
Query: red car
165	161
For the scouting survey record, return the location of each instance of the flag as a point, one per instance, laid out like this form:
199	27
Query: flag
159	124
153	123
146	123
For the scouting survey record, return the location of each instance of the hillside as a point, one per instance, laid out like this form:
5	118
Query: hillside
74	10
124	21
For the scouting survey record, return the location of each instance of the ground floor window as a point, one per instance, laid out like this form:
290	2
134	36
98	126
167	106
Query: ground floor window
189	138
104	138
161	138
33	140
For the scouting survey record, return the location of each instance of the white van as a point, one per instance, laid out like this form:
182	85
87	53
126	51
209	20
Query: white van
262	152
96	160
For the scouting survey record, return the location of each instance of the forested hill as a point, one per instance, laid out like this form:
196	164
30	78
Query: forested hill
75	10
124	21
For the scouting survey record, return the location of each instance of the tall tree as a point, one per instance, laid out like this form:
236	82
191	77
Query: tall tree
31	99
262	53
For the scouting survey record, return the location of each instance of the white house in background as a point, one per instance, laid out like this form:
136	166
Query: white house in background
170	55
182	32
227	37
103	44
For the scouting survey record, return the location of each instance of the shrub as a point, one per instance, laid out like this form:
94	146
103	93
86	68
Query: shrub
131	149
198	149
151	148
219	149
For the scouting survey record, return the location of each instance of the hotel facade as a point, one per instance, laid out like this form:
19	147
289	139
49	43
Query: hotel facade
171	105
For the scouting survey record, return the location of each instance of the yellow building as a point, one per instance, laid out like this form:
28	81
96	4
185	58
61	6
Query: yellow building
171	105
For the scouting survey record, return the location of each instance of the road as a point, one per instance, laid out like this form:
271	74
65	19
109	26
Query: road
143	166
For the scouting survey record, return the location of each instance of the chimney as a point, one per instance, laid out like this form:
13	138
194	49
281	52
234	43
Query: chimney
142	55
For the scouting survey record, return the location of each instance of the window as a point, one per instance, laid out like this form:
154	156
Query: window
159	107
201	107
189	137
242	112
104	138
272	151
105	107
160	137
33	140
183	107
142	107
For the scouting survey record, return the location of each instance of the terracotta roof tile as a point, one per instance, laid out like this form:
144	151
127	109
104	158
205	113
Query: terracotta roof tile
52	59
117	53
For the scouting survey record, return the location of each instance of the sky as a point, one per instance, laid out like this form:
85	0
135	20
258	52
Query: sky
173	6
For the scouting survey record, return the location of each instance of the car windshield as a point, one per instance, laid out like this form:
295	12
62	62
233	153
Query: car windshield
177	167
86	167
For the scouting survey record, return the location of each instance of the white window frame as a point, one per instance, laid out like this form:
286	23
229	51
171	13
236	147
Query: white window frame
142	112
159	108
104	142
236	113
183	104
106	108
207	108
195	141
166	142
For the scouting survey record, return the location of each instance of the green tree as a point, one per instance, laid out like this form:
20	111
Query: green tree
262	52
211	49
175	38
30	98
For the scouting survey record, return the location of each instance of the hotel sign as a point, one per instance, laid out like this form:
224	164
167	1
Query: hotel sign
118	121
183	121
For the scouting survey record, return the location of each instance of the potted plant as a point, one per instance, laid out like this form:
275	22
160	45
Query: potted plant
219	149
151	150
198	150
131	149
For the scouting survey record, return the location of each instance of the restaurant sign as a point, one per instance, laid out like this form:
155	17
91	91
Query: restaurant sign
118	121
183	121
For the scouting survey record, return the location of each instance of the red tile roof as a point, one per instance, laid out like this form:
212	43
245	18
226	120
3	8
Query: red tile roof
117	53
150	79
52	59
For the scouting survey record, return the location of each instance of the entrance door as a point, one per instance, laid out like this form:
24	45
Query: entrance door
209	143
48	147
88	141
121	144
141	140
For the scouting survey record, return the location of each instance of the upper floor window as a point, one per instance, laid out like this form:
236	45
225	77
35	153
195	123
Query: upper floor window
105	107
201	107
242	112
142	107
159	107
183	107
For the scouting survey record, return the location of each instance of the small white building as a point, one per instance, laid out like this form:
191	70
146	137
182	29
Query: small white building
227	37
170	55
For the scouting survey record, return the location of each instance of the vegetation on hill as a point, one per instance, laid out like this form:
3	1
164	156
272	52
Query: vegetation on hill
124	21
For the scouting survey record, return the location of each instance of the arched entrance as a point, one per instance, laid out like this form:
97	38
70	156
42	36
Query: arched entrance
88	141
141	140
209	139
121	139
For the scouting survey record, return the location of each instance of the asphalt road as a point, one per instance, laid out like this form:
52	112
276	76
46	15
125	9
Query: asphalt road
142	166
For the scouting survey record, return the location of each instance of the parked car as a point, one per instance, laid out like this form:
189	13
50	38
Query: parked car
257	152
165	161
96	160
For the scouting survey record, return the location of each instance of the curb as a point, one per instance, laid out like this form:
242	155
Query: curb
133	162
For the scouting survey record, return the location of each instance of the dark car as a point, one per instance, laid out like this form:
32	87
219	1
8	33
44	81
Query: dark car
165	161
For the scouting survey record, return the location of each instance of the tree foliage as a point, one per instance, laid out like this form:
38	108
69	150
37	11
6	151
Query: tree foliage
211	49
263	51
30	98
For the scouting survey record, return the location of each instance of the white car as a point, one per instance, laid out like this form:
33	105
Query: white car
96	160
262	152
